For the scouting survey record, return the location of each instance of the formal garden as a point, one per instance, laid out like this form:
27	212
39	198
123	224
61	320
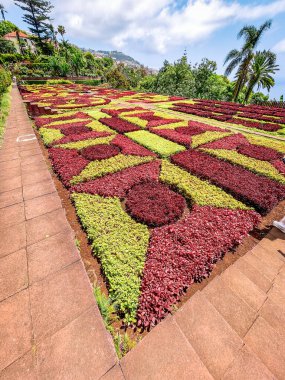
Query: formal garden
161	197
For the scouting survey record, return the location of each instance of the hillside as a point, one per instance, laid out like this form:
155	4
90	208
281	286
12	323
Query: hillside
117	56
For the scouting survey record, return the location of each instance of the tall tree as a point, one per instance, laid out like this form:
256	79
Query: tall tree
262	67
242	58
61	31
37	17
3	11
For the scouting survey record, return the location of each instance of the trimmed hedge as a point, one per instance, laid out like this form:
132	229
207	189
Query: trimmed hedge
120	243
156	143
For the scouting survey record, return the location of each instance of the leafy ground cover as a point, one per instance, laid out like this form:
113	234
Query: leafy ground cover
161	198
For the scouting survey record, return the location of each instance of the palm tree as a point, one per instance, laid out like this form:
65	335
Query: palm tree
3	11
61	31
243	57
262	67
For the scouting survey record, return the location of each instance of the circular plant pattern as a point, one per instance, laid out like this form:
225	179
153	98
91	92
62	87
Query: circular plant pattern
154	204
100	152
75	130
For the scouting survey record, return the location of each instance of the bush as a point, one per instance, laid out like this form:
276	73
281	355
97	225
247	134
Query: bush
4	110
5	80
58	81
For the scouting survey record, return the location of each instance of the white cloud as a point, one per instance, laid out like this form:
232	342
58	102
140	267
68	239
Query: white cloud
154	25
279	47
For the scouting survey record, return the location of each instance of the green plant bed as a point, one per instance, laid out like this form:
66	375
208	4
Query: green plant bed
157	144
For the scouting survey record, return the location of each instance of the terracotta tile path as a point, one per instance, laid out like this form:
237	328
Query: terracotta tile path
50	326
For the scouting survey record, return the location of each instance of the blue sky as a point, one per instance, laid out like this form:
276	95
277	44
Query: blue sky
154	30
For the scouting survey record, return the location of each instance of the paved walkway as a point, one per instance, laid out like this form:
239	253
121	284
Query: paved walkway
50	326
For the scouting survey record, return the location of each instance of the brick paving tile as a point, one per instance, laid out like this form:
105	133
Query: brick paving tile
15	328
42	205
36	176
11	197
274	314
274	242
164	354
12	239
277	291
50	255
22	369
248	367
30	152
38	189
58	299
10	184
13	274
10	173
216	343
253	273
244	288
32	159
268	258
268	345
78	351
8	157
27	169
115	373
280	280
12	215
269	272
46	225
10	164
235	311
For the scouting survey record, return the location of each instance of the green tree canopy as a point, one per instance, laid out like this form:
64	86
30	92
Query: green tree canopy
36	15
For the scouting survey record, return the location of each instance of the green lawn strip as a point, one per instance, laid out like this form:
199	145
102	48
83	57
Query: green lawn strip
207	137
5	103
85	143
256	166
200	192
155	143
50	135
121	245
96	169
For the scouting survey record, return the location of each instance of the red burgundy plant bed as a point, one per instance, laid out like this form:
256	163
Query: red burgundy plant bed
154	204
260	192
119	125
100	152
118	184
185	252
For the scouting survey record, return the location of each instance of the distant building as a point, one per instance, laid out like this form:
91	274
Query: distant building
25	40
